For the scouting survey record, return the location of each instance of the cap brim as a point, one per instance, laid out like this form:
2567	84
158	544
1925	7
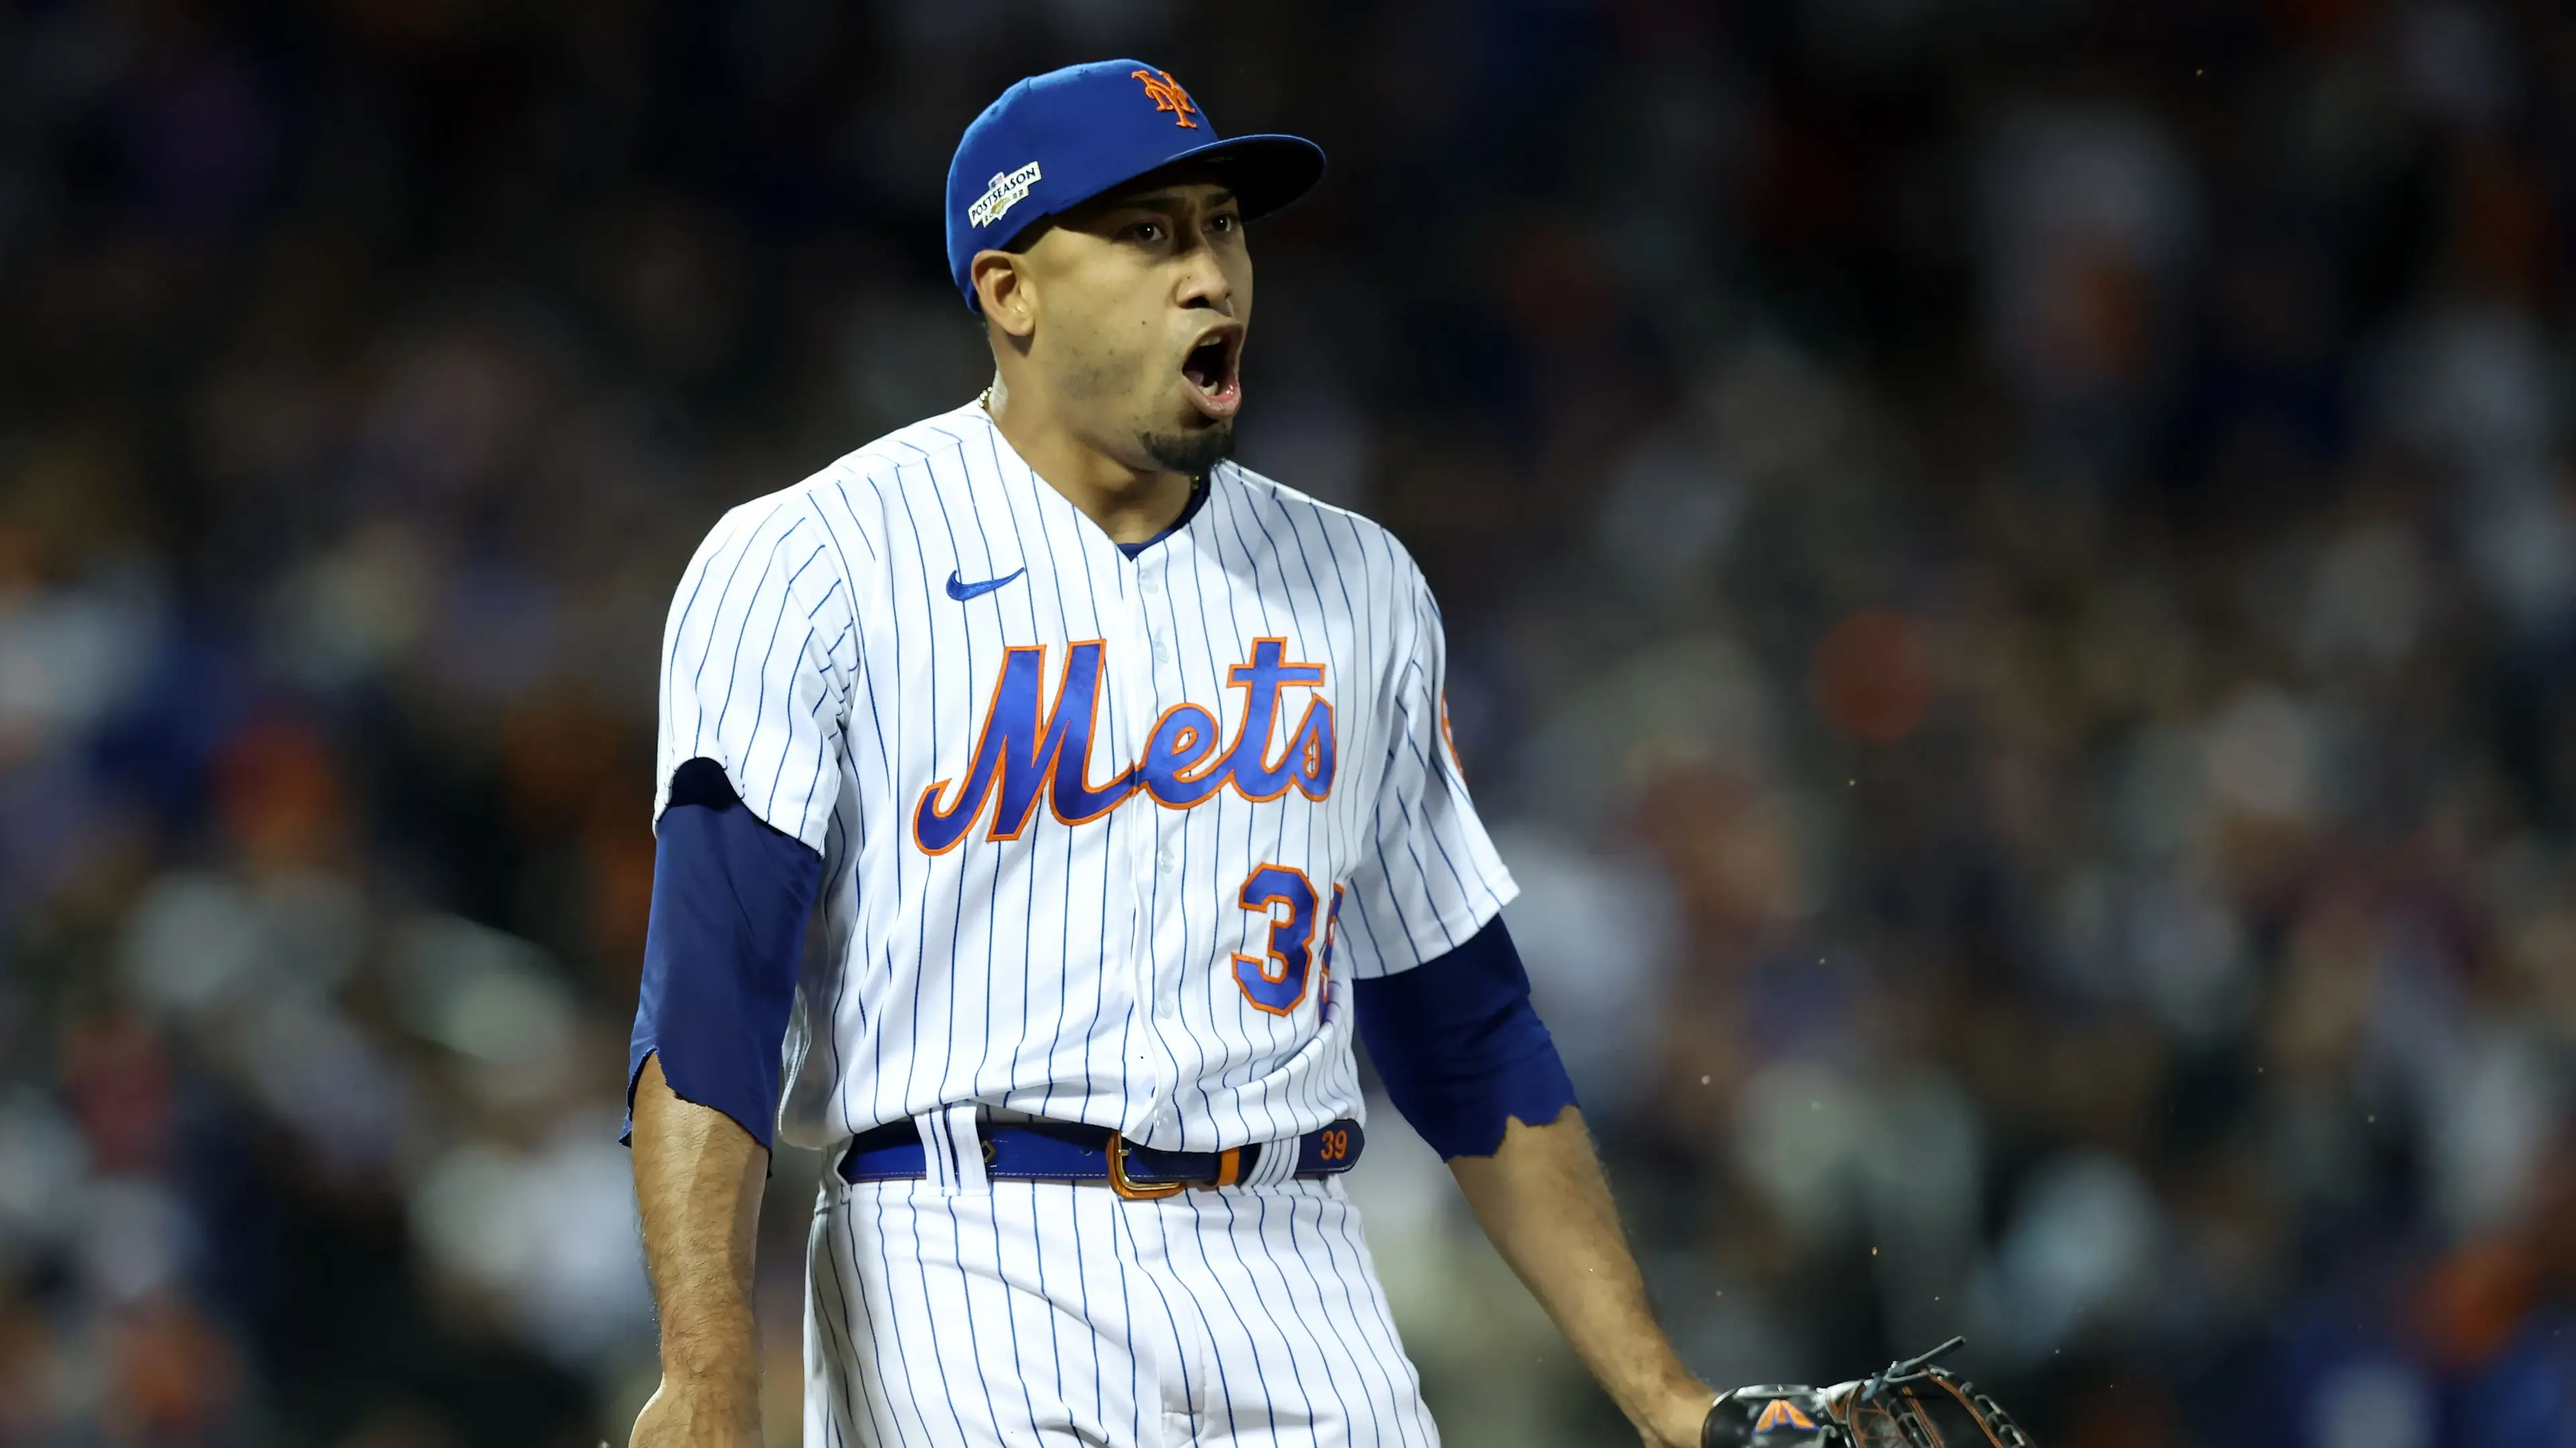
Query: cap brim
1266	173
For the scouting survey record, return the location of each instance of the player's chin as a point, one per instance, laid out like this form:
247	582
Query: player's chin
1192	448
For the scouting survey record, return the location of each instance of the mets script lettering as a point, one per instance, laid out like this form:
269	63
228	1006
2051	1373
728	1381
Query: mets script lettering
1028	750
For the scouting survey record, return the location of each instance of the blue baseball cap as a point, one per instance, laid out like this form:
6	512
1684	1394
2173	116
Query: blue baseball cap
1056	140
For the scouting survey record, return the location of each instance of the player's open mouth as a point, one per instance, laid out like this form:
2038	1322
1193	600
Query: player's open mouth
1210	371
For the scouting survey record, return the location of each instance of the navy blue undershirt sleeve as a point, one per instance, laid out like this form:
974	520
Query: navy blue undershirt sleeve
1459	1047
730	900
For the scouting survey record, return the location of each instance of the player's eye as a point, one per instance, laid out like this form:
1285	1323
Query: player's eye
1225	223
1148	232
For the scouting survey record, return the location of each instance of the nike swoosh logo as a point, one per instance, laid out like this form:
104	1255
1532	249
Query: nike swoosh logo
964	591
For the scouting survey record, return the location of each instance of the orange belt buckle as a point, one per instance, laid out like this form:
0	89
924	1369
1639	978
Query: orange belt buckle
1133	1192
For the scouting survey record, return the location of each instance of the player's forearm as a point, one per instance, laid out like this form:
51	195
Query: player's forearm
697	1189
1543	1200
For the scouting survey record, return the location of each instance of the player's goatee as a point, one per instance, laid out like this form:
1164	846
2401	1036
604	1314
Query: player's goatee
1192	453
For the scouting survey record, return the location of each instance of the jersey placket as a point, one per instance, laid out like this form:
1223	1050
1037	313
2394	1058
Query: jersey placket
1152	848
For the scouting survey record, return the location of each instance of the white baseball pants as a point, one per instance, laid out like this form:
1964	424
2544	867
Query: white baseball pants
1050	1313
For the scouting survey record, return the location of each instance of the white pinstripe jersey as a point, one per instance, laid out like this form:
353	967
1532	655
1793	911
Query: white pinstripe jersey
1100	834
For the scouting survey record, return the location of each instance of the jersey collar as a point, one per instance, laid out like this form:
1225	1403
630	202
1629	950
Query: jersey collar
1189	510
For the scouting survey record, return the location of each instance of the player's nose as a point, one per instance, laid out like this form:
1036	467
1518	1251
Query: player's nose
1204	283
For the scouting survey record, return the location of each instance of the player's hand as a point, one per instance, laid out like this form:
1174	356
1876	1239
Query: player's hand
699	1417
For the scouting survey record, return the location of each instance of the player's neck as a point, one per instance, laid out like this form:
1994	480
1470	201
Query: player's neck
1129	504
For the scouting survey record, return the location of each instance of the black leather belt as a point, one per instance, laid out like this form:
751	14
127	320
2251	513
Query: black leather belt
1058	1152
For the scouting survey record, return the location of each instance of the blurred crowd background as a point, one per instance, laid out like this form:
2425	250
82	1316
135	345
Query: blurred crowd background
2011	568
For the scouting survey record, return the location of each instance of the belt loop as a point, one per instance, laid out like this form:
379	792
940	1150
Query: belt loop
952	1151
1276	1163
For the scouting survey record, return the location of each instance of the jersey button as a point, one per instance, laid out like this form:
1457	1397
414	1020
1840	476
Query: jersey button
1162	652
1151	583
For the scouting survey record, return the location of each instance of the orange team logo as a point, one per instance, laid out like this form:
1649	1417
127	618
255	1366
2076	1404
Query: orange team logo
1782	1414
1167	95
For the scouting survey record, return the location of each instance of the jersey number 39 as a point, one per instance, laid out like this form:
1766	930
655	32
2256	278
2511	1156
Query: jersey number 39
1275	981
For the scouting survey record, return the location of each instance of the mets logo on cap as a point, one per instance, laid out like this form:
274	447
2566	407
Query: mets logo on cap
1167	95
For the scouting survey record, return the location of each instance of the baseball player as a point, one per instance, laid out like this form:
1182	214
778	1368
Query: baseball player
1113	782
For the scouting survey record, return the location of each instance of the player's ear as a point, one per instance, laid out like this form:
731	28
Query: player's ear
1002	285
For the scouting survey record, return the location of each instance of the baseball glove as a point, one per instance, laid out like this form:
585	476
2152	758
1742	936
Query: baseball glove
1913	1404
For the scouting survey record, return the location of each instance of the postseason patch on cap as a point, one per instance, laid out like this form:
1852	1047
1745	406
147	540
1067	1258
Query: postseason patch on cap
1008	190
